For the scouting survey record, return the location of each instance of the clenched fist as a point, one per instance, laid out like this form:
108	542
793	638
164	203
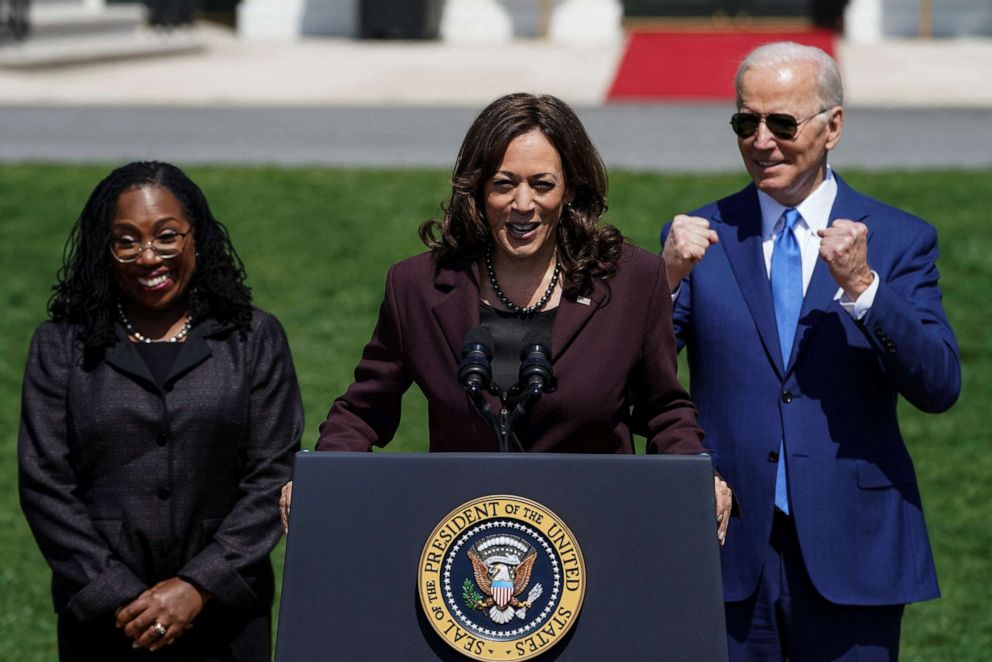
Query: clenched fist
844	247
688	240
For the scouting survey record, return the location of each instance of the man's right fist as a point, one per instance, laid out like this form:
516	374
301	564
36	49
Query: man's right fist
687	242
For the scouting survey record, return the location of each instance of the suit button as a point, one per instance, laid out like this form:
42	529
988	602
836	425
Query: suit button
163	494
786	397
773	456
162	438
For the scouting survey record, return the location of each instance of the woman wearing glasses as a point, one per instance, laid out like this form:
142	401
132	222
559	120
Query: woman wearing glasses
160	416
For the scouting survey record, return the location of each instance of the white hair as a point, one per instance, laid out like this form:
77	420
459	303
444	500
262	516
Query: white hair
830	89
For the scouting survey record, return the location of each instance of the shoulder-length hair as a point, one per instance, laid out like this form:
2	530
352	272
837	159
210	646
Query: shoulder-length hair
85	292
586	249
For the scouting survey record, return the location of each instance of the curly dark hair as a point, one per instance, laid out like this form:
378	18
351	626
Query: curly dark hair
586	249
85	292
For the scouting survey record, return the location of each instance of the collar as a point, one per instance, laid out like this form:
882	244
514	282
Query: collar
123	354
815	209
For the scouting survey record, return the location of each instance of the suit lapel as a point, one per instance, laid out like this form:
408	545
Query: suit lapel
123	355
458	309
738	223
194	351
574	312
822	287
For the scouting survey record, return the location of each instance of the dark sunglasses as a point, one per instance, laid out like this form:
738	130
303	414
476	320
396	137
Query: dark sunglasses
782	126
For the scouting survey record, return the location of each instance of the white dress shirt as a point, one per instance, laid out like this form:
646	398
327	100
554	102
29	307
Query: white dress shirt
815	215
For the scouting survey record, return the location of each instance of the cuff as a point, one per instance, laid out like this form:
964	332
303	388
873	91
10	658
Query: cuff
114	588
859	308
210	572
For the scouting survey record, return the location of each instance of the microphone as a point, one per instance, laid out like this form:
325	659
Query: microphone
535	364
475	372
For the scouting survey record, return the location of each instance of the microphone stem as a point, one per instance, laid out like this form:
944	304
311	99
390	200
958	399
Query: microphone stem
503	431
479	401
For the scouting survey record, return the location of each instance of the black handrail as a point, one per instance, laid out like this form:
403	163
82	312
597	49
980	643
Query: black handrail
15	19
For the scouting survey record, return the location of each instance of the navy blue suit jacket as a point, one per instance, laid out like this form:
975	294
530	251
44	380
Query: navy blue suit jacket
853	490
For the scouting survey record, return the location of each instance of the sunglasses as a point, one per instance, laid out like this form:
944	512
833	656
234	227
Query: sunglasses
782	126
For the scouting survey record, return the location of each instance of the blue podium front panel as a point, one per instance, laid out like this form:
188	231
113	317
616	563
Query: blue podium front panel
516	556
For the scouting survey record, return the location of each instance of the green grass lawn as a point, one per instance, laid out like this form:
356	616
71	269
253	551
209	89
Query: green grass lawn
317	244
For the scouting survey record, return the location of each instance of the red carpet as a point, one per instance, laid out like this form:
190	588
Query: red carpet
693	65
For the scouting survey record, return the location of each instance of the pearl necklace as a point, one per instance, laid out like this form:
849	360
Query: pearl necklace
512	307
131	331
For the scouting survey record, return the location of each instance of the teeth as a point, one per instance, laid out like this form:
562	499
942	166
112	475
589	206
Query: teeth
522	228
152	282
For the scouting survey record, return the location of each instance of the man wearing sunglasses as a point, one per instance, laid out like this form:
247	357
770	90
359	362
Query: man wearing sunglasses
807	309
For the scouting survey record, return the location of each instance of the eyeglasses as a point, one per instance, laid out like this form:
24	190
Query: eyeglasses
782	126
166	245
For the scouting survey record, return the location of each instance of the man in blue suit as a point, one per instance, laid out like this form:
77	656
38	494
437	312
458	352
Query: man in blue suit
807	308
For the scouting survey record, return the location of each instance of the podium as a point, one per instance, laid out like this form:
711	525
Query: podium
610	557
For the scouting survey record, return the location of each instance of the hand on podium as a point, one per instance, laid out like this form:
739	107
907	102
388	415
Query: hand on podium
285	498
724	501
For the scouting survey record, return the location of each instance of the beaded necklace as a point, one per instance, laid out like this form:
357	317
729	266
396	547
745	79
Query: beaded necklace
512	307
131	331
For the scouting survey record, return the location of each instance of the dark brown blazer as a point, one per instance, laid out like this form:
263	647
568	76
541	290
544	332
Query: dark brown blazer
125	483
613	355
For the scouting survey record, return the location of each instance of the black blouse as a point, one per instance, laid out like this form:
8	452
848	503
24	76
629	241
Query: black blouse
509	330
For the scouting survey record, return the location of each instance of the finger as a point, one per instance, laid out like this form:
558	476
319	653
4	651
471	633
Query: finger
842	228
693	247
170	635
285	499
137	626
693	224
685	219
692	253
691	229
832	249
129	612
147	638
719	493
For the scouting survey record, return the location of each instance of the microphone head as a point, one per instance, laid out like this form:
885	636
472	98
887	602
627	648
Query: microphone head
481	338
475	371
535	363
536	341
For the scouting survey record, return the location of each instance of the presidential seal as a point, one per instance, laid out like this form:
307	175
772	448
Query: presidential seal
501	578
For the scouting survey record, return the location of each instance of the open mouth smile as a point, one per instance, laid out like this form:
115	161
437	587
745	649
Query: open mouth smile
154	282
521	230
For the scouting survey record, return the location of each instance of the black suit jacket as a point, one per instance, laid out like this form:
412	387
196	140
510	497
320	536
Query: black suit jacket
125	483
613	353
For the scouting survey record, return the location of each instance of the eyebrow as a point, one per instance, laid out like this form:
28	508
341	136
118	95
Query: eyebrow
157	224
510	173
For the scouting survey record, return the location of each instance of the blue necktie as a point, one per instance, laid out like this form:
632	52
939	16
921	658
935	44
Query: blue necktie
787	294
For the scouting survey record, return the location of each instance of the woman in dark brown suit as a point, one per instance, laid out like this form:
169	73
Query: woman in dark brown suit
160	416
520	252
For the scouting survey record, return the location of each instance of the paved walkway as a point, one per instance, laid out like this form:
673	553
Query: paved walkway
676	138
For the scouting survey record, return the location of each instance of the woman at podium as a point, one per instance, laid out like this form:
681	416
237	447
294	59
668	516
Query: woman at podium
160	417
521	260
